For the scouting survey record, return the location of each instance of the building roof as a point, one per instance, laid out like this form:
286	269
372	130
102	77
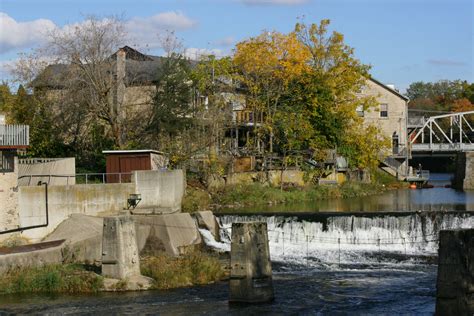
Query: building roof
132	151
140	69
389	89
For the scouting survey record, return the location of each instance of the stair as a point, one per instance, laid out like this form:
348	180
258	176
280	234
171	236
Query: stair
393	167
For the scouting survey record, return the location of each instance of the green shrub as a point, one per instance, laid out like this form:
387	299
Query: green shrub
195	200
53	278
195	268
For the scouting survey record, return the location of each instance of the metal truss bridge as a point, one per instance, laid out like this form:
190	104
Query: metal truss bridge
441	134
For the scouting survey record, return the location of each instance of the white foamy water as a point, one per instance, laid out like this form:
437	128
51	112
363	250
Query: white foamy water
352	239
210	241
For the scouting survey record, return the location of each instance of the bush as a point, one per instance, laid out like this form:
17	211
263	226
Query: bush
195	268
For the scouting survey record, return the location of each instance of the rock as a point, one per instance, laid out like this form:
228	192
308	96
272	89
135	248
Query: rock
133	283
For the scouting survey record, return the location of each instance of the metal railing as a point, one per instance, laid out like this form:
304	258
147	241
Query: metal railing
14	135
32	161
81	178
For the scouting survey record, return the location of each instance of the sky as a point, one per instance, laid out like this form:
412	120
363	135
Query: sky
403	40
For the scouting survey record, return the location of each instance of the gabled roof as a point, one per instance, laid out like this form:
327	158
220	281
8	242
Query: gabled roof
398	94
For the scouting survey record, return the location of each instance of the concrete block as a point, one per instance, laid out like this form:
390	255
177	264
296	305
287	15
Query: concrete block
207	220
455	283
173	233
83	238
120	258
162	191
251	270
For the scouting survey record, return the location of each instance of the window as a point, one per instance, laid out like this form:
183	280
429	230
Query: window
360	110
7	161
383	110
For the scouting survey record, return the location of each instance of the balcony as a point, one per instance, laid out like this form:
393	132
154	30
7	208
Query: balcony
14	136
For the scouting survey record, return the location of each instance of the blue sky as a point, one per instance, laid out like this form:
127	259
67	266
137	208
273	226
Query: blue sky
404	40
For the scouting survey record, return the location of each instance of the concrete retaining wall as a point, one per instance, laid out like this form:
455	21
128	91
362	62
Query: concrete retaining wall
66	166
90	199
161	191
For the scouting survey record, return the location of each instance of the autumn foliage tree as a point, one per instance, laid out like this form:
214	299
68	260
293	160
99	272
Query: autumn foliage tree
307	83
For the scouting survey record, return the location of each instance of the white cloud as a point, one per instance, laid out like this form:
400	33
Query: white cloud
196	53
145	31
274	2
162	21
16	35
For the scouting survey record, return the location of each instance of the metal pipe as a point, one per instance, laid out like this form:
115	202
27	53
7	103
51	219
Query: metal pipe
35	226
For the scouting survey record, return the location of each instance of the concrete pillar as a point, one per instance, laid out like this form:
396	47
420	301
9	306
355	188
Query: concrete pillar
119	248
464	174
455	284
251	270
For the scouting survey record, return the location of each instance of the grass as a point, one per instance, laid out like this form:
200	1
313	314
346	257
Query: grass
53	278
195	268
257	194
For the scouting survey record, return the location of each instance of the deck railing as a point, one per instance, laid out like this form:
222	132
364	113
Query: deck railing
14	136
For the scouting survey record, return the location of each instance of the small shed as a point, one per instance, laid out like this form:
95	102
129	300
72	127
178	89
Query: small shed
123	162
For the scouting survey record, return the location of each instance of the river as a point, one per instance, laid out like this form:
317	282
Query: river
325	261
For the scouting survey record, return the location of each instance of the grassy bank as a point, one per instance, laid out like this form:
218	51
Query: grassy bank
254	194
54	278
196	268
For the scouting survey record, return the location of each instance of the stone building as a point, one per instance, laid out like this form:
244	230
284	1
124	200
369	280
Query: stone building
391	117
391	114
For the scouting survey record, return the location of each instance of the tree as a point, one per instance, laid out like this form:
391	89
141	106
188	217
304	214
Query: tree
265	66
79	62
438	96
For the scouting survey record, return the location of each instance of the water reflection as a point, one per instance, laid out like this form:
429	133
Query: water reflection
438	198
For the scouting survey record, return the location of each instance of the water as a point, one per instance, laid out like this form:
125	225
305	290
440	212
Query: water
437	198
297	291
323	262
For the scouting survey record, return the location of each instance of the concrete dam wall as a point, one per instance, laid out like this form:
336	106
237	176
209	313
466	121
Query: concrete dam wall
160	190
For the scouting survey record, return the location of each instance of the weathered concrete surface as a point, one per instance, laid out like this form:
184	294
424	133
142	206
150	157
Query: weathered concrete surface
464	174
455	284
173	233
251	270
65	166
90	199
9	218
83	238
132	283
207	220
34	258
162	191
120	258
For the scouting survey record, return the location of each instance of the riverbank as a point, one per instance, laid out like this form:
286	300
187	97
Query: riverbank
198	198
167	272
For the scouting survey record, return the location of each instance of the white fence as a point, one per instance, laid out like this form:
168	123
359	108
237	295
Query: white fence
14	135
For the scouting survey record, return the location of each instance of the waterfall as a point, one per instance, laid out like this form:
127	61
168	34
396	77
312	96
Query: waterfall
348	239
